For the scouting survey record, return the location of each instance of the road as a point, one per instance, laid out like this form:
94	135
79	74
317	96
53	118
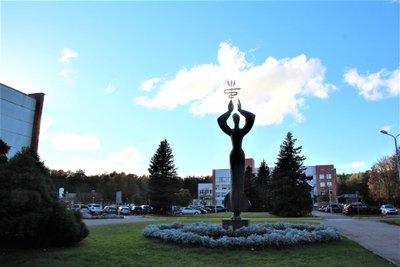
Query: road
380	238
126	219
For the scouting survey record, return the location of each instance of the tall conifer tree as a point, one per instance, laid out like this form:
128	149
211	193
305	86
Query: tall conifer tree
260	185
163	182
290	190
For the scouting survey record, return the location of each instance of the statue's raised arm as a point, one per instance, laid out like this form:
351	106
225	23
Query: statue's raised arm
250	118
222	120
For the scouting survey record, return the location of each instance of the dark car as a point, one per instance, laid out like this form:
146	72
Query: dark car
202	210
357	208
146	209
136	210
216	208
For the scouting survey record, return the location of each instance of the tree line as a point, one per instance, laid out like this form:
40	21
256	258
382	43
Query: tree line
377	186
284	191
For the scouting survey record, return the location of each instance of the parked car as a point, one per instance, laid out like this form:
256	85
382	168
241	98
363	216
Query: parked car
202	210
356	208
136	210
187	210
216	208
221	208
146	209
388	209
322	208
336	208
124	210
95	208
77	206
83	209
110	210
209	209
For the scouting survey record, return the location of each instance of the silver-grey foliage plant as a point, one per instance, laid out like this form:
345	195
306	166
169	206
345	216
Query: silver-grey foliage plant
258	235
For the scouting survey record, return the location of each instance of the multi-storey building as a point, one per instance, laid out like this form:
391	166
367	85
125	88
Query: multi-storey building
20	118
323	183
205	194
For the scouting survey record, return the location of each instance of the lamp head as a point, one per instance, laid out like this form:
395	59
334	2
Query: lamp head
384	131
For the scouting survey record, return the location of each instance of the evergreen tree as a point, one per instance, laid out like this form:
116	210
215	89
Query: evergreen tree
31	214
248	177
261	185
4	148
163	182
290	190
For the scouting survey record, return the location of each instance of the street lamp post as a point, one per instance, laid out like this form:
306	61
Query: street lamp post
396	149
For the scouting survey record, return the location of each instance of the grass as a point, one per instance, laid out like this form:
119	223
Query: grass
123	245
394	222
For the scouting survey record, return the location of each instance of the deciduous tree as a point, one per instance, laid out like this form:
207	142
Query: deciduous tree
383	182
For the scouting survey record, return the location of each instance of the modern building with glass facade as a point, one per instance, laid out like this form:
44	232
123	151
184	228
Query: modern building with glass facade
20	118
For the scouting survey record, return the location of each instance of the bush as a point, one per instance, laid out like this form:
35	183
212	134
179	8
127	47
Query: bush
30	214
262	235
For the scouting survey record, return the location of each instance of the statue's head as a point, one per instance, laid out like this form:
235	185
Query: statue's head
236	119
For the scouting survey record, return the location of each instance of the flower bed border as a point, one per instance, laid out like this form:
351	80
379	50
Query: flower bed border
254	236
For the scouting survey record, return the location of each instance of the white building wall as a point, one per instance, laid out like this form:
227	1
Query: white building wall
223	182
222	185
16	121
204	190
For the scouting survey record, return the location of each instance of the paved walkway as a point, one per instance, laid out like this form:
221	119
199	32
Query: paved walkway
380	238
126	219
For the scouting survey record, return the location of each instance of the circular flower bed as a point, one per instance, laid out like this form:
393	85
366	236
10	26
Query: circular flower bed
258	235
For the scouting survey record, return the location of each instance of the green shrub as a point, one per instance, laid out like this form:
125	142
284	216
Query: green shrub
30	213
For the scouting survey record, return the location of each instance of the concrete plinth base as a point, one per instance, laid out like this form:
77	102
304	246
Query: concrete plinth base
236	224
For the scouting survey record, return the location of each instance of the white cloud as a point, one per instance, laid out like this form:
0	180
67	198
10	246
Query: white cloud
272	90
129	160
149	84
67	75
75	142
67	54
110	88
355	165
375	86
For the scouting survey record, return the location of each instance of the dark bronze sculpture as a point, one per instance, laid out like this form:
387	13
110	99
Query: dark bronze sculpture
235	200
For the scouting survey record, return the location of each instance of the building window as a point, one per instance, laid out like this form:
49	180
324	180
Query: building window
329	184
321	176
322	184
329	176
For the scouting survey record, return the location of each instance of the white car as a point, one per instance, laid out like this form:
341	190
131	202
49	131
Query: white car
95	208
187	210
389	209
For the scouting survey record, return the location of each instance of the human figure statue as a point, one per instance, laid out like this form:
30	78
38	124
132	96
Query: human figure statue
236	201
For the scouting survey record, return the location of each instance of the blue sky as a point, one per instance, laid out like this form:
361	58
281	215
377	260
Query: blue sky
119	77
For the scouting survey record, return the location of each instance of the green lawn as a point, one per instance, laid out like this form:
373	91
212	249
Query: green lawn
394	222
123	245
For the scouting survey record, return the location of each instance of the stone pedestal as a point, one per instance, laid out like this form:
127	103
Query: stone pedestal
236	224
